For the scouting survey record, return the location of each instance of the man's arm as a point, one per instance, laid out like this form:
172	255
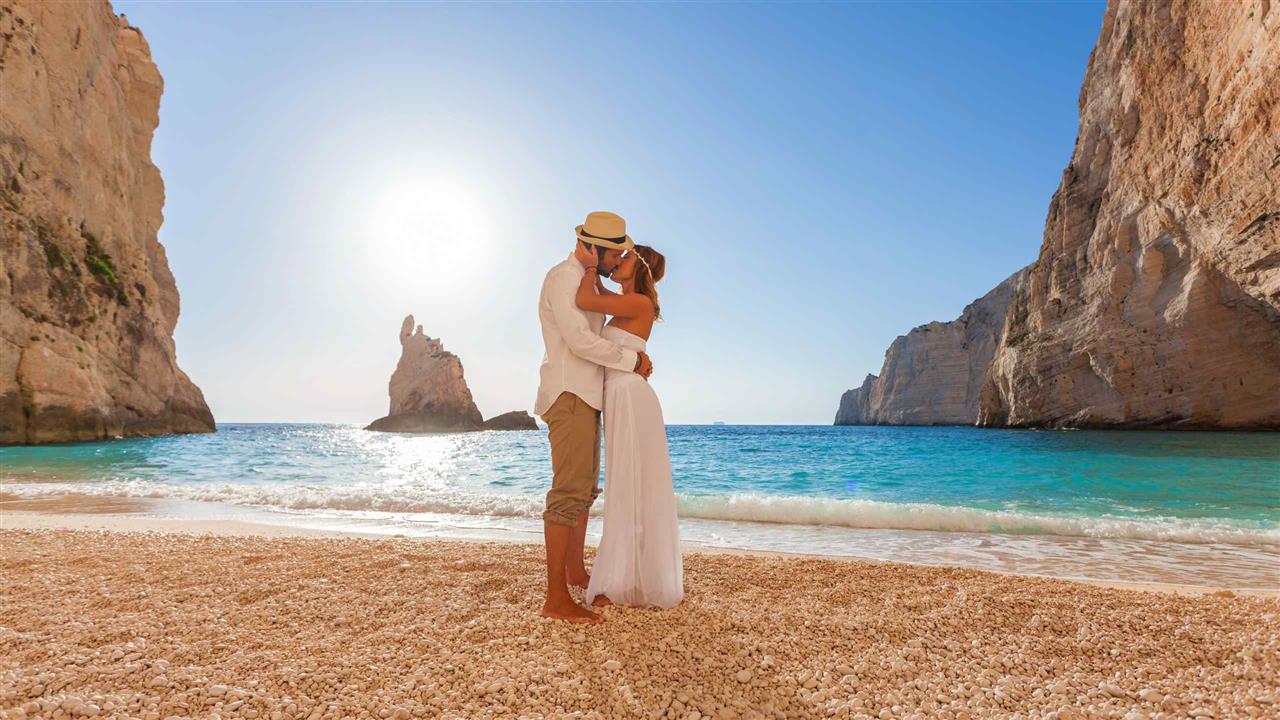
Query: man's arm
561	289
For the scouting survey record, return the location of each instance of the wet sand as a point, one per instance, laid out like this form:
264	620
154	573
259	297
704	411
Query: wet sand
234	624
80	512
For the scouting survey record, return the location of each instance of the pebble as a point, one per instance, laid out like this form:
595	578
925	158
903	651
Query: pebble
612	665
743	676
1113	690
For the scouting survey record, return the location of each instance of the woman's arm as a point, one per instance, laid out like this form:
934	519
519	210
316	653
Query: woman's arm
557	293
600	288
623	306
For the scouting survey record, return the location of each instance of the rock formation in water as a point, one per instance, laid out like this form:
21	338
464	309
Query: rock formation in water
934	374
514	420
87	302
1155	301
429	393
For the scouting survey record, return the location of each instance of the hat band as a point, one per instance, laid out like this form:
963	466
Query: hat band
612	239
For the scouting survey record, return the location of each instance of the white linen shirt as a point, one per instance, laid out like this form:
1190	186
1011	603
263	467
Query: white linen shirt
576	355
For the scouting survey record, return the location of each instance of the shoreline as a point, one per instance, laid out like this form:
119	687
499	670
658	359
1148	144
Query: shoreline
121	515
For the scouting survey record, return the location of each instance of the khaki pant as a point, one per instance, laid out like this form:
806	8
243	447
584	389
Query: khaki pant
573	427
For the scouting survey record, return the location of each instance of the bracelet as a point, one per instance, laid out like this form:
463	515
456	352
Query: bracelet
593	269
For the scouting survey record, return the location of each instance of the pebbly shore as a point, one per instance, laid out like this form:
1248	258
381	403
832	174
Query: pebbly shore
163	625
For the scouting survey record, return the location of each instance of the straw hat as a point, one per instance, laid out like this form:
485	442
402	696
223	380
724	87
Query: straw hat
607	230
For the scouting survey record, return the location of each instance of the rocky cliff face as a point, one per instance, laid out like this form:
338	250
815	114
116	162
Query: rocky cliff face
87	302
1156	298
430	394
1155	301
934	374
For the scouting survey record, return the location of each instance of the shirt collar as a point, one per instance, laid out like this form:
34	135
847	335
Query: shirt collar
573	260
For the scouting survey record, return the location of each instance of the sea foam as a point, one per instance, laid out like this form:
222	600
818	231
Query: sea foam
785	510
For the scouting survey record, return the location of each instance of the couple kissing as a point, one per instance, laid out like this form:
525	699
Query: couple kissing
592	369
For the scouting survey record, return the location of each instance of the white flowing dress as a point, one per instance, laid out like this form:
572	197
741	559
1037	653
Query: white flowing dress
639	561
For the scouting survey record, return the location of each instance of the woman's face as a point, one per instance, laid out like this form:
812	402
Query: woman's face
627	268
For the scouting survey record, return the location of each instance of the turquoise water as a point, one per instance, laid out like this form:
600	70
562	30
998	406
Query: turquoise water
1165	487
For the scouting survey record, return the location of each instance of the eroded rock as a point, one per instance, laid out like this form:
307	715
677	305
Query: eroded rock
1156	298
87	302
934	374
1155	301
429	392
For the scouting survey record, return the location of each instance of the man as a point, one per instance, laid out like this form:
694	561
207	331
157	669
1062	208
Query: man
570	397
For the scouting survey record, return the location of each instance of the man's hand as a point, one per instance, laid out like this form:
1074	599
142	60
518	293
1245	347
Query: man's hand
587	255
644	366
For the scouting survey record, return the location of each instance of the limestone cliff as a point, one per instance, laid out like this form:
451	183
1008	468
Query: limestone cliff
1156	298
1155	301
87	302
934	374
429	393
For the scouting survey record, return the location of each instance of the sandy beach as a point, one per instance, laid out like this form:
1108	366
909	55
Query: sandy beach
158	624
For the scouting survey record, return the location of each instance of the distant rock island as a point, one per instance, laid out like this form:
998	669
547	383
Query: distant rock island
87	302
514	420
1155	301
429	393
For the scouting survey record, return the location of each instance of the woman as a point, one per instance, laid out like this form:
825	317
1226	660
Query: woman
639	558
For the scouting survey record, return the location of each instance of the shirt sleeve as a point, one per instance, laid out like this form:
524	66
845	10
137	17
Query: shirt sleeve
577	333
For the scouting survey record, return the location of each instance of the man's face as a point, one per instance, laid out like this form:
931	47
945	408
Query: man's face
609	261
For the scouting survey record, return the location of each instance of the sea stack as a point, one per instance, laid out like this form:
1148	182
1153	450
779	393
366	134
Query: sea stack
1155	300
87	302
429	392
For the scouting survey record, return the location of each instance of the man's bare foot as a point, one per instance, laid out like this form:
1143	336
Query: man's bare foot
571	612
581	581
601	601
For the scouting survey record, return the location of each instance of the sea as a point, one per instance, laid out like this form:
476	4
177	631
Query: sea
1175	507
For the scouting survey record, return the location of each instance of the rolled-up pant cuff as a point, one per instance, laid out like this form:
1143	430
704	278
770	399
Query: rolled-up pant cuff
565	515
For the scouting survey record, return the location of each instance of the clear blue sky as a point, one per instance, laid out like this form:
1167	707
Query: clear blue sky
822	178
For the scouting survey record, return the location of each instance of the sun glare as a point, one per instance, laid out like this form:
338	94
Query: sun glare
428	234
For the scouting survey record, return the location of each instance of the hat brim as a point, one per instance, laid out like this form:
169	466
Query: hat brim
626	244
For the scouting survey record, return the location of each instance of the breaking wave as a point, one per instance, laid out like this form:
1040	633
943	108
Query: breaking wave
787	510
